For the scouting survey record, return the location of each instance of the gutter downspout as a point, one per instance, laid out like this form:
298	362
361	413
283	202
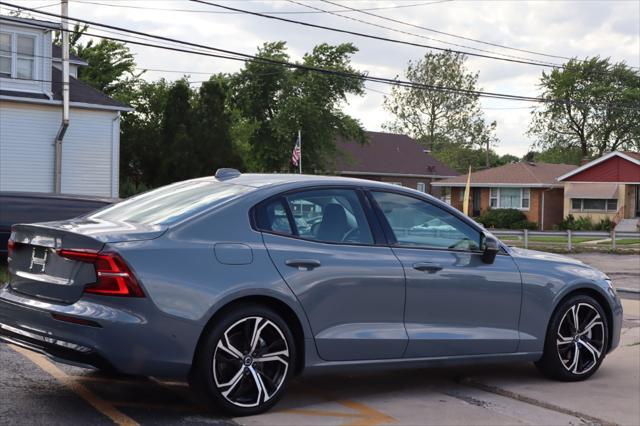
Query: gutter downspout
64	12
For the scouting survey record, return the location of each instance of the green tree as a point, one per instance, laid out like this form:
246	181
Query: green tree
440	119
275	102
556	154
111	65
594	106
141	138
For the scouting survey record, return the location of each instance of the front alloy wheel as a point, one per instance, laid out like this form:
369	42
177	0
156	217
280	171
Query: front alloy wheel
581	338
576	341
245	360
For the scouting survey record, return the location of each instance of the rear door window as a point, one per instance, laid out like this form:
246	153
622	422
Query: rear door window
326	215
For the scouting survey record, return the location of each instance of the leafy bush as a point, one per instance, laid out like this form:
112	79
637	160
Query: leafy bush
505	219
585	223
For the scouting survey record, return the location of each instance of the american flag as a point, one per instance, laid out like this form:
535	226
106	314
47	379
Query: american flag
296	155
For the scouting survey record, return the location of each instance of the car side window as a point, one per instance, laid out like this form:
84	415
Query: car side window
330	215
273	217
415	222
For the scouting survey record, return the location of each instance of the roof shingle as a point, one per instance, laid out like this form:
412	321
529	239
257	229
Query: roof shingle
388	153
523	173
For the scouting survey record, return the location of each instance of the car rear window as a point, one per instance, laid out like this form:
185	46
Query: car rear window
172	203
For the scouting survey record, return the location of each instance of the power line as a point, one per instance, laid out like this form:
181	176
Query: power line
127	6
371	36
362	21
243	57
448	34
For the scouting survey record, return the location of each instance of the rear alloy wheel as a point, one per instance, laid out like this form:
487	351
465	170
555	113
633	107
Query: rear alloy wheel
576	342
250	359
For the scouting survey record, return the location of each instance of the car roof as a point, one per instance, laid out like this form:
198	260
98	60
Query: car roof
260	180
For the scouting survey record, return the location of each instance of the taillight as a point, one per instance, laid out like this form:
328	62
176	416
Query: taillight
114	278
11	245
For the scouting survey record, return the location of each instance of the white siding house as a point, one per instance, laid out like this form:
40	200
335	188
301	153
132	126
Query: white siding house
31	115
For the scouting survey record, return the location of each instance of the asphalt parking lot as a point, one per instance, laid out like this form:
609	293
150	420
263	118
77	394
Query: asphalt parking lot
34	390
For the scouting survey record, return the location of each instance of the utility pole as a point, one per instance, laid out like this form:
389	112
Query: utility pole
487	153
64	14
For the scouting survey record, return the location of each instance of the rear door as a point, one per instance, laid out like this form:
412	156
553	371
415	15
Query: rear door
456	304
350	285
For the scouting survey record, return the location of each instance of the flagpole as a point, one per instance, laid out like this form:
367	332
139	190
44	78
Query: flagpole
300	160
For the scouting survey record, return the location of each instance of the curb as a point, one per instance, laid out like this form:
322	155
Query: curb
628	290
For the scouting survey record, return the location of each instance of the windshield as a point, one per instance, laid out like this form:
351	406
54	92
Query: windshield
172	203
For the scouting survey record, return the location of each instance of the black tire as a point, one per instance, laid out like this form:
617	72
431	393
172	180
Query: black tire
261	383
559	360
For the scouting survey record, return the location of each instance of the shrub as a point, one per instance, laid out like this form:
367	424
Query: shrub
505	219
585	223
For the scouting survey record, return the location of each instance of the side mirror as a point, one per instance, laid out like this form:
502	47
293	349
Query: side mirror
491	247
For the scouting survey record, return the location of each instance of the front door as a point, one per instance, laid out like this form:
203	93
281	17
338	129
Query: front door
475	211
456	304
352	290
637	212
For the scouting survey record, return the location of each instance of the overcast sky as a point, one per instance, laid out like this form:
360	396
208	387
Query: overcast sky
563	28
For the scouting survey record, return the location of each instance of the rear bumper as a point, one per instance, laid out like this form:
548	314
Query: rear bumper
130	336
58	350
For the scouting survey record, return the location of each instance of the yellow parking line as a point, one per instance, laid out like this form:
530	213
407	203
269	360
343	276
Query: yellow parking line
99	404
363	415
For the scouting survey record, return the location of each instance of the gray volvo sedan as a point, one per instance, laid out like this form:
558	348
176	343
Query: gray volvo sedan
238	282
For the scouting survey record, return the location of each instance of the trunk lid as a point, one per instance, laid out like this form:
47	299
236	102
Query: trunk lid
36	268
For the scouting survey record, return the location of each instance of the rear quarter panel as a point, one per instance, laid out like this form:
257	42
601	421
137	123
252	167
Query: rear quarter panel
183	272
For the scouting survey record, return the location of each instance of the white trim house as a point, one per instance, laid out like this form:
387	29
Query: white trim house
31	114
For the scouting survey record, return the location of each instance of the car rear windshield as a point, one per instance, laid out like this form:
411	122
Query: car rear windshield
171	204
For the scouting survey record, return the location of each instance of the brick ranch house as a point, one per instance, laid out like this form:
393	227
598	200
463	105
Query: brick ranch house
392	158
607	187
529	187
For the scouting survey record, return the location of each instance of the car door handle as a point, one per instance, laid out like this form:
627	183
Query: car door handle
427	267
303	264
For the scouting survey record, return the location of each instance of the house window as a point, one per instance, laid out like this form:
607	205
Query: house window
17	56
445	194
509	198
5	55
594	205
420	186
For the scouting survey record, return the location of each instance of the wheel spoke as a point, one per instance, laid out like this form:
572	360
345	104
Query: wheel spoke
275	356
592	349
229	349
563	340
574	316
263	394
257	330
231	384
576	357
594	322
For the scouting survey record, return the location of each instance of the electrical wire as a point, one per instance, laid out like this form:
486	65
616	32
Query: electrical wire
374	37
128	6
362	21
445	33
243	57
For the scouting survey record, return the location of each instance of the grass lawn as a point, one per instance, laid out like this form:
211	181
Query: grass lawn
4	274
622	242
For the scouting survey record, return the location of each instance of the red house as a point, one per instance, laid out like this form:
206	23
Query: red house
608	187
